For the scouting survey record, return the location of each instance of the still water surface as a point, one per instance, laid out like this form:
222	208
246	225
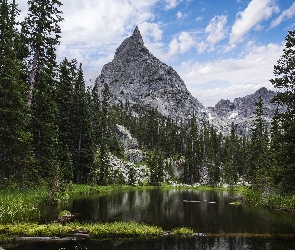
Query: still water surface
220	224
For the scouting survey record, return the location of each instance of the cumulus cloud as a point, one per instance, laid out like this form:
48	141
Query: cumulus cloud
256	11
210	97
179	15
216	29
151	31
255	68
172	4
92	30
286	14
180	45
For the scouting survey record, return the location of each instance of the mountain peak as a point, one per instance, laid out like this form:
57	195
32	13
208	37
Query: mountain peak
138	78
136	36
131	45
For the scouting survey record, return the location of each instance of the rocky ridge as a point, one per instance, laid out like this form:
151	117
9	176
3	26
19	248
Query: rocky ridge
137	77
240	111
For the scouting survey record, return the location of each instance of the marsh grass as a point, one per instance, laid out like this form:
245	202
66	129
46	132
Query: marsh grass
273	201
69	229
18	206
182	231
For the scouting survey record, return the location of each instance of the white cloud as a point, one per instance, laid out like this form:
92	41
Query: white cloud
179	15
185	42
180	45
172	4
150	31
199	18
255	68
94	29
216	29
210	97
256	11
173	47
286	14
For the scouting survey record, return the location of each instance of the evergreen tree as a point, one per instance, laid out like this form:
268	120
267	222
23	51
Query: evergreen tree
15	159
44	123
104	140
258	160
276	149
83	150
230	171
41	33
65	103
284	80
156	166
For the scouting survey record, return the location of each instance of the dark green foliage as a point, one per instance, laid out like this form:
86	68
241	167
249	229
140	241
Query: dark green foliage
55	130
41	33
258	157
83	149
156	164
65	103
15	153
284	130
44	124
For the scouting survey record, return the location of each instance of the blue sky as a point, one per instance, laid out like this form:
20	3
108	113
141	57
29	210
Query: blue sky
222	49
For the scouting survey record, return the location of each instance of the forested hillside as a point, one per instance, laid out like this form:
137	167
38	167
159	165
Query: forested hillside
55	131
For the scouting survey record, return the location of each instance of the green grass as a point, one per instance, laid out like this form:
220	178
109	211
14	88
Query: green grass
18	206
69	229
273	201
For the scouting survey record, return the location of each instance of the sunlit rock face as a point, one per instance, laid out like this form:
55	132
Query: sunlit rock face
240	112
142	81
137	77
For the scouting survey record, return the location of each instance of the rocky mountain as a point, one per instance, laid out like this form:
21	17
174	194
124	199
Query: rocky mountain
240	111
137	77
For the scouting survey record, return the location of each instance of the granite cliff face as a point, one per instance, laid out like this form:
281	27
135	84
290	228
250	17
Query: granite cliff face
240	111
137	77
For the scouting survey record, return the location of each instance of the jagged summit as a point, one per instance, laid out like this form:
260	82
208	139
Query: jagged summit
137	77
240	111
131	45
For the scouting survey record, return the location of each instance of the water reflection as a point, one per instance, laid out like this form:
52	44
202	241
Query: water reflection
202	211
196	243
226	226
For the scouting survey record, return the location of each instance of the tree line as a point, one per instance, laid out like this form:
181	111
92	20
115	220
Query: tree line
56	130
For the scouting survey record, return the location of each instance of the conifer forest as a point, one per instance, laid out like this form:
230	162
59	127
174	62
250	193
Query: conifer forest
56	130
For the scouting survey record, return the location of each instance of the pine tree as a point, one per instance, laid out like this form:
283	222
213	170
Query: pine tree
41	33
104	140
230	170
156	166
276	149
44	123
83	150
284	72
65	99
258	160
15	155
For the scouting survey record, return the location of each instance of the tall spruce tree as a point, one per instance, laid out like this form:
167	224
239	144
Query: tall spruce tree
44	123
258	158
284	80
65	103
41	33
83	150
14	136
104	140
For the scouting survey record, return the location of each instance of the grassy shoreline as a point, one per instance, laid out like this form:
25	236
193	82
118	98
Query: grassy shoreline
20	212
270	201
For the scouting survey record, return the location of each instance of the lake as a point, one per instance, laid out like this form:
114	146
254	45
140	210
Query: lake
219	223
